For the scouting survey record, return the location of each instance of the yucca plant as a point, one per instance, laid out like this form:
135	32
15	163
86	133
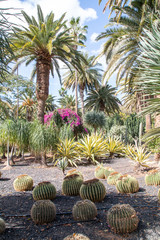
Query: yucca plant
138	154
114	146
91	147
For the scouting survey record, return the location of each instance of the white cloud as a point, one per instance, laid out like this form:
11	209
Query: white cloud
93	37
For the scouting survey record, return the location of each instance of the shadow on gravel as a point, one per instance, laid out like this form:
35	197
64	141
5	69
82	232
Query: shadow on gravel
4	179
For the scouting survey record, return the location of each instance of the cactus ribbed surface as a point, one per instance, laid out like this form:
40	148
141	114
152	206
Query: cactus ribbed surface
99	172
122	218
93	190
159	194
23	183
44	190
76	236
74	171
43	211
108	171
152	178
127	184
84	210
71	185
2	225
113	177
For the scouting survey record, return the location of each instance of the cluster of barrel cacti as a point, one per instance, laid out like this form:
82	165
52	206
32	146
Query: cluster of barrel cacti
23	183
44	190
153	178
113	177
76	236
108	171
127	184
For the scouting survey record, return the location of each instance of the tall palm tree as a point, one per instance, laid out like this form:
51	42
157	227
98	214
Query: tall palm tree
103	99
87	80
44	41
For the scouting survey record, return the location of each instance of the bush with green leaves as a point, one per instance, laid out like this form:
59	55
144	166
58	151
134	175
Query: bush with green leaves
95	119
118	131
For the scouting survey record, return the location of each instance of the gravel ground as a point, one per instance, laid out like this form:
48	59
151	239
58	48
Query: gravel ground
15	207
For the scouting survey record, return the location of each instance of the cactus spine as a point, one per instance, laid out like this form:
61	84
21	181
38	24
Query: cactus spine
127	184
23	183
74	171
113	177
43	211
152	178
99	172
108	171
44	190
84	210
122	218
76	236
93	190
71	185
2	225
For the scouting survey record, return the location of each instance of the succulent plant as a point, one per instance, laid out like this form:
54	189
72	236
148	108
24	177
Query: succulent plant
2	225
99	172
74	171
43	211
152	178
127	184
93	190
76	236
108	171
23	183
71	185
159	194
84	210
44	190
122	218
113	177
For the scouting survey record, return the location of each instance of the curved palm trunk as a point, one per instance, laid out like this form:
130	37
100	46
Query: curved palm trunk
81	91
42	86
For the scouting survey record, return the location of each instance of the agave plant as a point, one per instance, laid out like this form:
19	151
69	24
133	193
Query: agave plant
114	146
138	154
91	147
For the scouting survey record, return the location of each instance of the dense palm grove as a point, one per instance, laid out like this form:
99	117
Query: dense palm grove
99	124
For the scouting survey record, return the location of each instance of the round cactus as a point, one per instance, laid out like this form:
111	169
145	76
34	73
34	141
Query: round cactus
84	210
44	190
93	190
122	218
76	236
74	171
71	185
99	172
43	211
108	171
127	184
152	178
23	183
159	194
113	177
2	225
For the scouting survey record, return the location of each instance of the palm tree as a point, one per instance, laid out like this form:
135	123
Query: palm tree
87	80
44	42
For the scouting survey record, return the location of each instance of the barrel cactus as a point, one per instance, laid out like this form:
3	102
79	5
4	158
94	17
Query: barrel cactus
84	210
74	171
99	172
108	171
159	194
71	185
76	236
152	178
113	177
122	218
44	190
127	184
2	225
43	211
23	183
93	190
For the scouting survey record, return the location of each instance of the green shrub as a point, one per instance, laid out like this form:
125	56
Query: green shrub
95	119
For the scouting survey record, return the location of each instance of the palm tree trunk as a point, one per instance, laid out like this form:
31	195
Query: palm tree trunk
157	124
148	122
76	91
8	160
82	100
40	112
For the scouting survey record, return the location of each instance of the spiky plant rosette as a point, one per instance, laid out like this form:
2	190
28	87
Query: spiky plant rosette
108	171
76	236
84	210
23	183
99	172
127	184
44	190
122	218
2	225
43	211
74	171
113	177
71	185
152	178
93	190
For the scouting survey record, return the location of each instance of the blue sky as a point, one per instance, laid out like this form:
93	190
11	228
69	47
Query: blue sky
91	14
